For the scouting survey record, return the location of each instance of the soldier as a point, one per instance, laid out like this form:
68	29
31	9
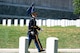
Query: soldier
32	29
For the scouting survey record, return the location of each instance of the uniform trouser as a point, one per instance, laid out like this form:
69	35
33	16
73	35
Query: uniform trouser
37	42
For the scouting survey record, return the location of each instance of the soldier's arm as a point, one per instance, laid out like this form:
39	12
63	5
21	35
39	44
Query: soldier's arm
36	27
31	25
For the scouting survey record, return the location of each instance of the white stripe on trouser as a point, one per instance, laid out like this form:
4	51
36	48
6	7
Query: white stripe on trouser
38	42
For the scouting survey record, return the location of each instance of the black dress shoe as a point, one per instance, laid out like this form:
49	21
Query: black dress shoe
41	50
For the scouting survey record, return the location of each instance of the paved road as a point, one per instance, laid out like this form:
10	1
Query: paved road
16	50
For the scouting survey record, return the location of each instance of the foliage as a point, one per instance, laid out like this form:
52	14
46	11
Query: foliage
76	4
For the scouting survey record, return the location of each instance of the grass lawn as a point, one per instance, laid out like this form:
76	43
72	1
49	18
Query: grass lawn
69	37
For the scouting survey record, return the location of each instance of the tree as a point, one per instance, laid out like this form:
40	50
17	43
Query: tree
76	4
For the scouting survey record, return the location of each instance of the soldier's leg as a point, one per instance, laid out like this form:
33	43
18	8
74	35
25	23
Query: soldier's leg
38	44
29	42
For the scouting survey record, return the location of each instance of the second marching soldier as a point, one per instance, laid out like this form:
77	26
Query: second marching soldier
32	29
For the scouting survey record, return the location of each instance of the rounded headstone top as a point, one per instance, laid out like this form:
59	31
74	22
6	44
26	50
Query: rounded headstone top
52	38
23	37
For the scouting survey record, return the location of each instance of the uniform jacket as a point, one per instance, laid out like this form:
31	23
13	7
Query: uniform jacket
33	27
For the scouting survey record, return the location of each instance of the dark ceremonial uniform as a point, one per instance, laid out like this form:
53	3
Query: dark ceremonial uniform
32	28
33	34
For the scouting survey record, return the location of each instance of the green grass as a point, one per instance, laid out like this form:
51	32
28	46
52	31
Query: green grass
69	37
9	36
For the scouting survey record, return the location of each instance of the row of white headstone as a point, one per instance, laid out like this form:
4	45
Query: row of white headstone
47	22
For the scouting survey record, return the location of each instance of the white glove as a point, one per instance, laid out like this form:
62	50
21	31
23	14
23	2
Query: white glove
41	29
32	32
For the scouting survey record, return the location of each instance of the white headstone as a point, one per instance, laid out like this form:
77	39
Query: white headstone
72	22
48	22
63	22
16	22
9	22
39	22
78	23
44	22
52	22
23	45
52	45
56	22
21	22
27	22
4	22
68	22
59	22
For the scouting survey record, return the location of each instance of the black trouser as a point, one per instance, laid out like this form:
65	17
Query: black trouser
36	40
